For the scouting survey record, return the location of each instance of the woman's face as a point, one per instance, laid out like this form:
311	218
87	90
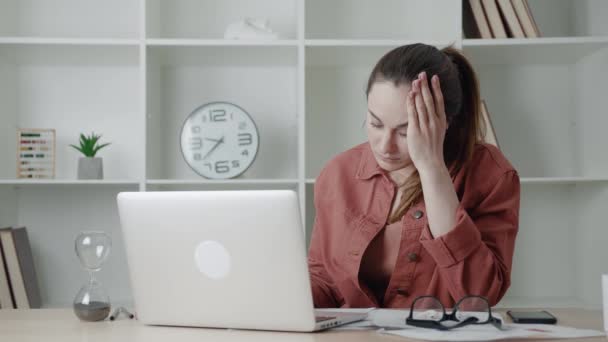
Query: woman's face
387	125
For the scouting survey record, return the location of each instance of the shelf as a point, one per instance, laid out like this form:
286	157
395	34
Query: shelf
220	184
34	182
373	42
562	180
542	180
533	50
219	42
68	41
221	181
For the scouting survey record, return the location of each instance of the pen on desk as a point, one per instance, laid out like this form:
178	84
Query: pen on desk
114	314
130	315
117	312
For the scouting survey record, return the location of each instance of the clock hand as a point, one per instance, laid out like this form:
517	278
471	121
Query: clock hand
214	147
214	140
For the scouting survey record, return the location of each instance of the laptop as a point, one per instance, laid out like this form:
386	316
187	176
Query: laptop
221	259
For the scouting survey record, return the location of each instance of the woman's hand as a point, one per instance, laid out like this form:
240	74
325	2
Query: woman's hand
427	123
426	129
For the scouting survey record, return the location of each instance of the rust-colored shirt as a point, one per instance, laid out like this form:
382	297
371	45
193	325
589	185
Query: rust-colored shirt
353	198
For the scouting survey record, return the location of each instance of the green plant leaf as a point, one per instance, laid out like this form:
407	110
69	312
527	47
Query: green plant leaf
89	144
99	148
77	148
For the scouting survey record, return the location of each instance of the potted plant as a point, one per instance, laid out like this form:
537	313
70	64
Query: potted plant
89	166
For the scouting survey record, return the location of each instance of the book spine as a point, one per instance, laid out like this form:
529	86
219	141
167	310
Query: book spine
26	265
491	9
14	271
6	296
511	20
524	18
480	19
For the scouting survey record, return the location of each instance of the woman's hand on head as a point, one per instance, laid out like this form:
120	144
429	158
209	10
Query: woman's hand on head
427	123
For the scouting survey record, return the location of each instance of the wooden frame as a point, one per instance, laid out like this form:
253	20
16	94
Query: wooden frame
43	145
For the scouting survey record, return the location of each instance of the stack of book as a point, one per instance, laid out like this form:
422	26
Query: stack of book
498	19
18	281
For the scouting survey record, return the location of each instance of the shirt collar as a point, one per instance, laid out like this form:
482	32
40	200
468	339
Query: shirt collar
368	166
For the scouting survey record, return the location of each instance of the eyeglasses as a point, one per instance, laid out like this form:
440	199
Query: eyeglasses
428	312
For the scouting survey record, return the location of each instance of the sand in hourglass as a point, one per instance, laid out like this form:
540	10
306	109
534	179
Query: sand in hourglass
95	311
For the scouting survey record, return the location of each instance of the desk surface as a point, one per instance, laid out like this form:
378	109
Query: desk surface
61	325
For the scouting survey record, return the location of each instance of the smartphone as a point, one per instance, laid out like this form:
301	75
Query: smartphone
540	317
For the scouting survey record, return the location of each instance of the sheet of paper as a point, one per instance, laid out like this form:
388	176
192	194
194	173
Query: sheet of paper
490	333
380	318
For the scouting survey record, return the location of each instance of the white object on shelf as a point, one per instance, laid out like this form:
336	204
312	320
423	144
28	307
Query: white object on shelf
250	28
605	295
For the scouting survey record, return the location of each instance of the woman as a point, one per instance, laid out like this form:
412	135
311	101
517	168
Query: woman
423	207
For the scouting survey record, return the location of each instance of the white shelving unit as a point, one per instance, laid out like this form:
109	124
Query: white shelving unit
133	70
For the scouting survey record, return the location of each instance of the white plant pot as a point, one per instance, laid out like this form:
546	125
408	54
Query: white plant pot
90	168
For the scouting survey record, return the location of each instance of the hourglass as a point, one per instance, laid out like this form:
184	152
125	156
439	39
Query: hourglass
92	303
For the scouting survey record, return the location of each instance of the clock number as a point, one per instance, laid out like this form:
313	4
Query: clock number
245	139
222	166
236	164
245	153
197	156
209	165
196	143
197	129
217	115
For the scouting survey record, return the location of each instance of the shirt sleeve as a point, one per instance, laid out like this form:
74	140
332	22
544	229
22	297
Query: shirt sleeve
323	288
475	257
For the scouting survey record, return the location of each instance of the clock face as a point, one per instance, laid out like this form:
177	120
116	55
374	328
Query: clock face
219	140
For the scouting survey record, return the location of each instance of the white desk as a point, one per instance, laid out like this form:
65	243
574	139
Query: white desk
61	325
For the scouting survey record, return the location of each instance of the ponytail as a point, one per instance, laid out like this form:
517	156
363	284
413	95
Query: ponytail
467	128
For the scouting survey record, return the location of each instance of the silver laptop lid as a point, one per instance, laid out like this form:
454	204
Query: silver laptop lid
231	259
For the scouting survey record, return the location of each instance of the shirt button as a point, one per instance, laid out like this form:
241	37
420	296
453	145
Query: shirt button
412	256
403	292
417	214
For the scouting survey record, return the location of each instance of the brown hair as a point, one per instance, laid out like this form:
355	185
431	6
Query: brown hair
460	90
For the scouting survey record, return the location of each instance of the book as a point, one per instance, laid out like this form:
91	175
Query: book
6	296
489	134
494	18
20	265
526	19
475	23
511	19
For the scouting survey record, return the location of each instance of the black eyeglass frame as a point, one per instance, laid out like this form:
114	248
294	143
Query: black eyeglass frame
436	324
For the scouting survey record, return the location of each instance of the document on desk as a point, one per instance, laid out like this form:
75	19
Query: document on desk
392	321
490	333
380	318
